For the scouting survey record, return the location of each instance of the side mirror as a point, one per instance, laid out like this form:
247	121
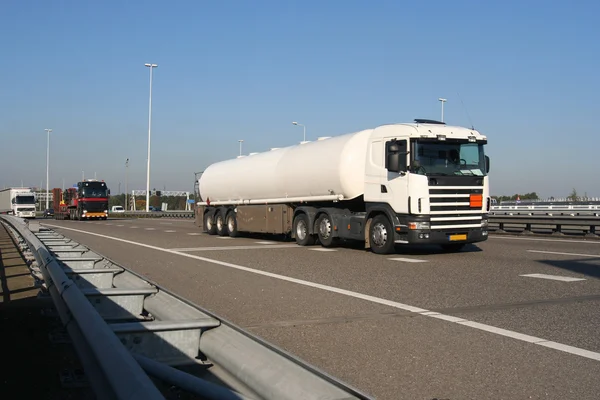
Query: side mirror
393	162
487	164
109	191
396	157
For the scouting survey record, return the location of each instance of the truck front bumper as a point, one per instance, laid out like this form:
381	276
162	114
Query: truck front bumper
441	237
95	215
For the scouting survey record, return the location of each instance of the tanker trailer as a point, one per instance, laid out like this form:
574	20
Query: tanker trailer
409	183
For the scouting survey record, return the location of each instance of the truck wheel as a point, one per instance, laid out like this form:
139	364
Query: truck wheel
324	228
303	238
453	247
220	223
231	224
381	235
209	223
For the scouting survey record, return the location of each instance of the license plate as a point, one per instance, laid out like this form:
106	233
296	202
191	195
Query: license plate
457	237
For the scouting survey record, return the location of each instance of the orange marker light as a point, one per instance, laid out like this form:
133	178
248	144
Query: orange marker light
476	201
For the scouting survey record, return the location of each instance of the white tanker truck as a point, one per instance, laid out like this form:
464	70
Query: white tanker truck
410	183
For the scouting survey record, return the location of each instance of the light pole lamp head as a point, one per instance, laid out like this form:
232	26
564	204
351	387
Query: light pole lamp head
442	100
151	65
295	123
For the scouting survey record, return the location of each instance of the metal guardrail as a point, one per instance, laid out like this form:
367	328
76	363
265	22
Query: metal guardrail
152	214
535	223
550	210
127	329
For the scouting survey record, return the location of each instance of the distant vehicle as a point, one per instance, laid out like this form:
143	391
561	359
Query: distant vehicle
18	201
85	200
407	183
117	209
152	208
49	212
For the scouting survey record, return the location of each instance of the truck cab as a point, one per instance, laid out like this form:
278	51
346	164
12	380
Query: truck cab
431	182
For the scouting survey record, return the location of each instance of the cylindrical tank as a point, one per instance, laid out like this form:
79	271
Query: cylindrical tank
329	167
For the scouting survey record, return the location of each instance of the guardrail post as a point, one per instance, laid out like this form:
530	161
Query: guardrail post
527	230
500	228
558	230
591	232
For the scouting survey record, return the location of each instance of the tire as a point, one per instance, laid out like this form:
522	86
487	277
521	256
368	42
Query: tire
453	247
303	238
324	228
209	223
220	223
381	235
231	222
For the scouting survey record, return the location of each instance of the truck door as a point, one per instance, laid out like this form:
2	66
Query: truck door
386	180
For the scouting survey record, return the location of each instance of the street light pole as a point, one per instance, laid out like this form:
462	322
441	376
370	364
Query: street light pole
304	128
442	101
126	184
241	141
48	169
151	66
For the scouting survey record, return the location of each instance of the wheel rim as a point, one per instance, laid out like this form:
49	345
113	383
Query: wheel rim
301	230
379	235
230	223
325	228
209	223
219	222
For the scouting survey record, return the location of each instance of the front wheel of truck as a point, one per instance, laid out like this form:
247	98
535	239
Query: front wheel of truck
381	235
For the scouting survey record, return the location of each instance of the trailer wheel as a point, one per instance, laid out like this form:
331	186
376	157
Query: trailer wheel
209	223
231	221
381	235
303	238
324	228
220	223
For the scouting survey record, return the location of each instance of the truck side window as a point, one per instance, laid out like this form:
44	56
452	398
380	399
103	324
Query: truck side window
395	155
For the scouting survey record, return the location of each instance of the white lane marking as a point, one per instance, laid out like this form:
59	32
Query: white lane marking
565	254
120	225
571	349
166	223
408	260
426	313
109	224
546	240
265	242
279	246
194	234
506	332
170	231
323	249
224	237
133	227
553	277
150	229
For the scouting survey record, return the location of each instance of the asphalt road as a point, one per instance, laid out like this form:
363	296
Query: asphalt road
419	324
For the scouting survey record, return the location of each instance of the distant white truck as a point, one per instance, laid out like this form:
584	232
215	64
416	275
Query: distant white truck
18	201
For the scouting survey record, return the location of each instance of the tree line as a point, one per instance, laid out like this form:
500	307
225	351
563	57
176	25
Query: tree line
574	196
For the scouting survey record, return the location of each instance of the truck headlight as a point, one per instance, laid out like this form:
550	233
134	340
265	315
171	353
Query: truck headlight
484	223
418	225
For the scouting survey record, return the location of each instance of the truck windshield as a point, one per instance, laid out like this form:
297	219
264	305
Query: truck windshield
24	199
448	158
94	192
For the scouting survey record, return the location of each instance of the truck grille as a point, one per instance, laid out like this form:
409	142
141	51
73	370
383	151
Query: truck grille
451	210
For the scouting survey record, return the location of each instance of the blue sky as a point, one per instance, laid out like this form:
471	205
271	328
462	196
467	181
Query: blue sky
526	72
